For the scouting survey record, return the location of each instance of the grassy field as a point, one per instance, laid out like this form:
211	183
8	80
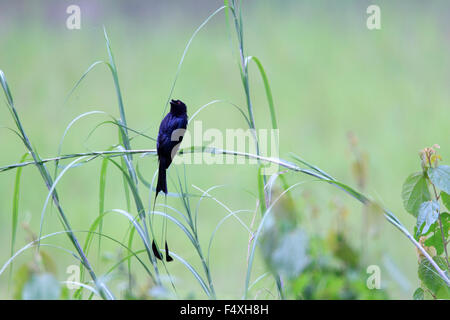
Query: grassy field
329	76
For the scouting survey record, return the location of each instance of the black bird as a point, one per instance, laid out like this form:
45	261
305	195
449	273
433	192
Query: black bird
171	132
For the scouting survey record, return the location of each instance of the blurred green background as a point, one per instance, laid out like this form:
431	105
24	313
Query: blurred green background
329	75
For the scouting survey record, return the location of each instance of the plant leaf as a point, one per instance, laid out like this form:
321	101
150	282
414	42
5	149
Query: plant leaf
429	276
267	89
445	218
415	192
445	197
428	214
101	200
418	294
440	176
443	293
436	239
261	192
15	210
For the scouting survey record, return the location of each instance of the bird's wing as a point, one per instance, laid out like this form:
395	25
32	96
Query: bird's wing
163	135
169	135
179	123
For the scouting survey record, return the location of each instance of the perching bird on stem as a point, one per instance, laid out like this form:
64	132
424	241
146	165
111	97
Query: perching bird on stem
171	132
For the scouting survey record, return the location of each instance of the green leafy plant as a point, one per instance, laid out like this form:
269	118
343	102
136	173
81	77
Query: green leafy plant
425	196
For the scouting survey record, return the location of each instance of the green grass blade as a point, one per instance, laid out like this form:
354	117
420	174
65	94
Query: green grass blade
6	88
67	130
194	272
220	101
256	238
51	193
101	198
185	52
213	234
15	208
267	89
48	182
261	190
315	168
177	223
27	246
85	286
91	67
113	68
207	193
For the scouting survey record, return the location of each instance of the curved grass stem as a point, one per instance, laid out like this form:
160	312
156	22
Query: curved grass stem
389	216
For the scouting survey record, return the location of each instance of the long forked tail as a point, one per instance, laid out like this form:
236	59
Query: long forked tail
160	186
162	182
155	251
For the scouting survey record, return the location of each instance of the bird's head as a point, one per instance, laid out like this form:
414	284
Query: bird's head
177	107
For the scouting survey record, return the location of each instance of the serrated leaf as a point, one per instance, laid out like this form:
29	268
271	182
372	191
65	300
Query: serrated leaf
429	276
445	218
428	214
436	239
41	287
440	176
445	197
443	293
415	192
418	294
